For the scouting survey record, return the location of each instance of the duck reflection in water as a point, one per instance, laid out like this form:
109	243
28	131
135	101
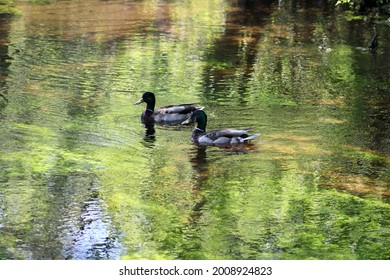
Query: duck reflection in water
201	156
200	164
150	133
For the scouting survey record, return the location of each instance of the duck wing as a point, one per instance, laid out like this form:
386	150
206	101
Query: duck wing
176	109
227	133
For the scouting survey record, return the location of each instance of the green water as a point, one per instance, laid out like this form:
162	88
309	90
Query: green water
80	180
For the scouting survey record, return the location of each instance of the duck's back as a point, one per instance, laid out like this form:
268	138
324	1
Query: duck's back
176	109
227	133
173	114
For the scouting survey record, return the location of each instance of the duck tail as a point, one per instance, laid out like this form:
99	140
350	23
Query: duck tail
251	137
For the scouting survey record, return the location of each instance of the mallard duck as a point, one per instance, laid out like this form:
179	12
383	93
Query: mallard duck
216	137
167	115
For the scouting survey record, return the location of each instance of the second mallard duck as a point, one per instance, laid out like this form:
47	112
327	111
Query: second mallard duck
216	137
167	115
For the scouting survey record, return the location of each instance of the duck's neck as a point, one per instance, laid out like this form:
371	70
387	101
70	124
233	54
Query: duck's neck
201	122
150	106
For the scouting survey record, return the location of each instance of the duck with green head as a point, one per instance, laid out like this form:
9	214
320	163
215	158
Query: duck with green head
216	137
167	115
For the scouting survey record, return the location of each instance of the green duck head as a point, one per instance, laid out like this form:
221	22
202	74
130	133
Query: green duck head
149	99
198	116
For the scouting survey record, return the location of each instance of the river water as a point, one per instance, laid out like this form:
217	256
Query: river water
79	179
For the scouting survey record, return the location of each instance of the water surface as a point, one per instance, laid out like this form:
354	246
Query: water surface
79	179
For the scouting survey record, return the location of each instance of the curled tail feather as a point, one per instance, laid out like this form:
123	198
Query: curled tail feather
251	137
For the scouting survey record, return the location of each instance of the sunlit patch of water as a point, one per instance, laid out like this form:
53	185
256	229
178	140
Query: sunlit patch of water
92	236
